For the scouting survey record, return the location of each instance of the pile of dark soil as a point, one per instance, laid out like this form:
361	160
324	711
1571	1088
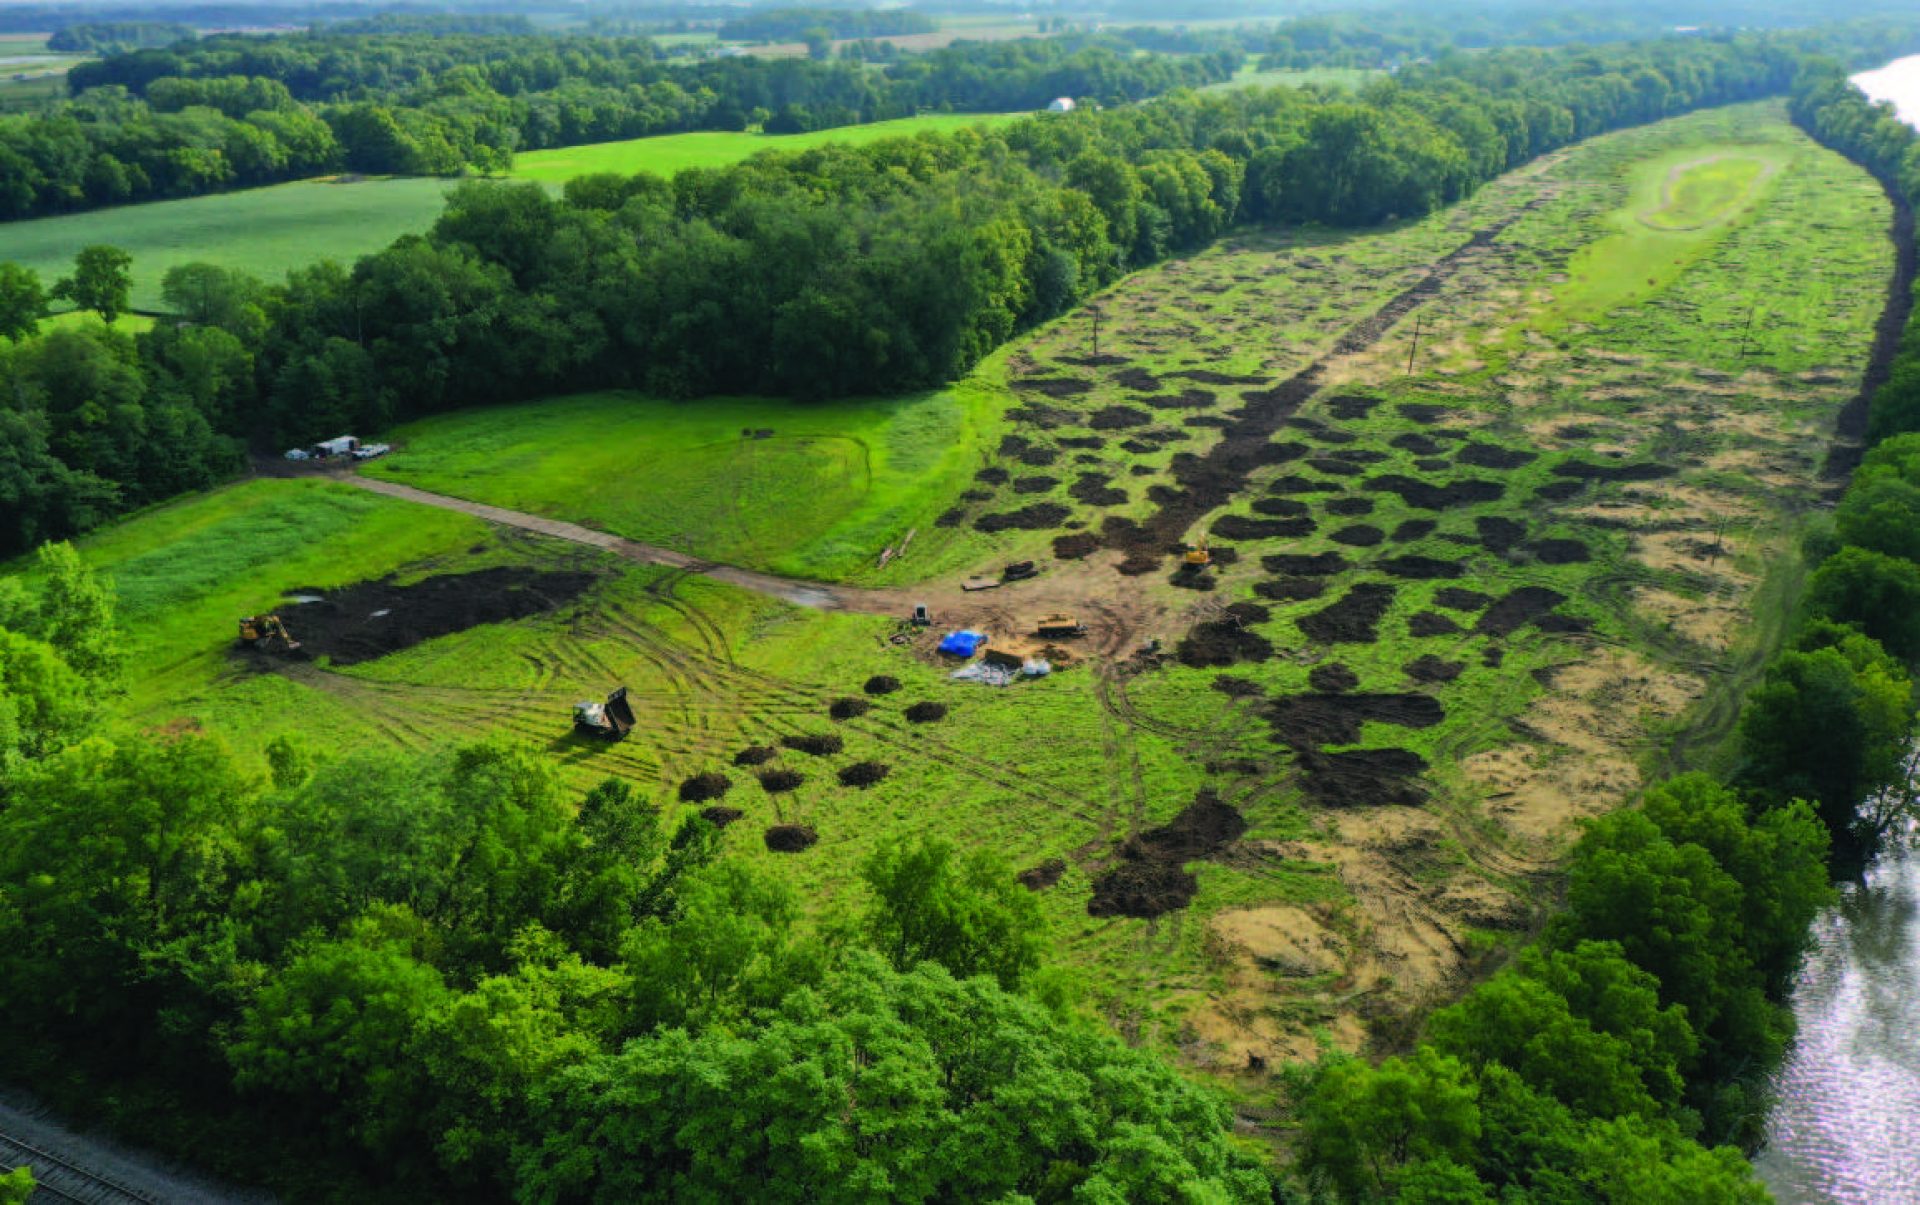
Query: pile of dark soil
1355	619
1236	688
1559	552
1186	399
372	619
1455	599
1013	445
1117	418
819	744
1135	377
1488	456
975	495
881	684
776	781
1319	564
1564	625
1498	535
1284	508
1349	406
1044	417
1305	722
1105	359
1492	657
1038	517
1222	642
926	713
702	787
1419	568
1224	554
720	817
1150	879
992	475
848	708
1043	876
1079	544
1193	577
1350	507
1364	777
1039	458
790	838
1413	529
1293	483
1332	679
1281	453
862	774
1207	376
1422	495
1521	607
1559	491
1053	386
1216	421
1432	464
1582	471
1430	668
1246	612
1334	468
1431	623
1241	527
1034	485
951	517
1418	444
1137	564
754	755
1358	535
1422	413
1094	490
1083	443
1290	589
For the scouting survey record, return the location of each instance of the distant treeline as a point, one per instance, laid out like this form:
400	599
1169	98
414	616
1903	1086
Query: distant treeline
116	37
794	24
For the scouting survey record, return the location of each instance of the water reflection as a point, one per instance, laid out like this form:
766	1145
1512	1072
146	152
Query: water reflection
1899	82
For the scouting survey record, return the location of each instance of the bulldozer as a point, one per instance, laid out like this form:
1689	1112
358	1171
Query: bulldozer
268	634
1198	556
608	721
1058	625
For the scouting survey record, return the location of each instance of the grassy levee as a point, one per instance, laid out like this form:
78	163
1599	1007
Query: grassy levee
1643	451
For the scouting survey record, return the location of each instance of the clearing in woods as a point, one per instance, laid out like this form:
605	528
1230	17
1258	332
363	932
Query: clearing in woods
1465	591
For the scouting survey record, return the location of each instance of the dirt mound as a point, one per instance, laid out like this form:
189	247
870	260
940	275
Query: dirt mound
720	817
992	475
1431	623
1306	722
862	774
1559	491
926	713
369	620
1455	599
1580	470
1430	668
1319	564
1284	508
1137	564
776	781
1206	376
1290	589
1364	777
1355	619
1192	577
1293	483
1044	417
1043	876
1240	527
1559	552
1422	413
1039	458
881	684
1137	378
1413	529
1236	688
1563	625
819	744
1418	444
1423	495
1142	889
1498	535
1489	456
1013	445
1115	418
754	755
1200	829
1350	406
1334	468
1432	464
950	518
1516	610
1216	421
1220	643
848	708
790	838
1150	878
1359	535
1055	387
1186	399
1350	507
702	787
1094	490
1038	517
1074	547
1034	485
1420	568
1083	443
1333	679
1105	359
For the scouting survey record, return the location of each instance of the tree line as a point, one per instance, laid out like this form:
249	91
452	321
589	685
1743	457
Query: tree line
1622	1057
117	37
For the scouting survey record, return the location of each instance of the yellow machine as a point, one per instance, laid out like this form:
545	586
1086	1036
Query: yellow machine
1198	556
268	634
1059	624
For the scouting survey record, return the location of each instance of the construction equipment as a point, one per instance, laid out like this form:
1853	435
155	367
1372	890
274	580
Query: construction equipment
921	616
268	634
1059	624
1197	556
1019	571
608	721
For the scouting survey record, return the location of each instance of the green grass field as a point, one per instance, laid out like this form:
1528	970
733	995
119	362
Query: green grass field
1250	76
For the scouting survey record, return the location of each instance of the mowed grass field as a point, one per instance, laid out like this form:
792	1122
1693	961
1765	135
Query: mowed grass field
269	231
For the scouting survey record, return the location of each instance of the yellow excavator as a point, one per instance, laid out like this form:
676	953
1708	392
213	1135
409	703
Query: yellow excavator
268	634
1199	556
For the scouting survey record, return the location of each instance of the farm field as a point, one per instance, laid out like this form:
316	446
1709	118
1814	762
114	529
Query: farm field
1250	76
1466	589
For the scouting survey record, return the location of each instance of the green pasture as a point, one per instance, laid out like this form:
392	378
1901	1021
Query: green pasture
1250	76
669	153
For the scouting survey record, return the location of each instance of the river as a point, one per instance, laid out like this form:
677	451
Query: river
1845	1120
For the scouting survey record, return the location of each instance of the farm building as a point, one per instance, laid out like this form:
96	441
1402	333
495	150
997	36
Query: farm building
1062	104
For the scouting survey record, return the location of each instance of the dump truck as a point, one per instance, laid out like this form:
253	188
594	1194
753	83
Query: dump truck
1058	625
608	721
268	634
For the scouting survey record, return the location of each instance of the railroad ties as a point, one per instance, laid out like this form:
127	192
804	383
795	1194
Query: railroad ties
55	1179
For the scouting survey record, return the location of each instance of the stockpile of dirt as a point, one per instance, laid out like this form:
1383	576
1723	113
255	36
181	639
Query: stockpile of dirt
1559	552
1150	879
1034	485
951	517
881	684
1355	619
848	708
1235	688
776	781
1419	445
754	755
1135	377
1334	468
1038	517
790	838
926	713
1306	722
1319	564
1290	589
1013	445
1422	413
1455	599
1350	507
1432	464
1413	529
1222	642
1039	458
702	787
720	817
1519	608
1582	471
1487	456
1333	679
1430	668
1044	417
1350	406
1559	491
1207	376
1084	443
862	774
1074	547
1364	777
1422	495
1240	527
819	744
992	475
369	620
1043	876
1186	399
1055	387
1431	623
1293	483
1281	508
1419	568
1094	490
1118	418
1498	535
1358	535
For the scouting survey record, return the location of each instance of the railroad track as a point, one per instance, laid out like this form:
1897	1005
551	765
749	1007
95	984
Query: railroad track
56	1179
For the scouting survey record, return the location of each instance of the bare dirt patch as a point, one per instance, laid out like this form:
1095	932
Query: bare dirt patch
1413	529
1290	589
1351	507
1118	418
1240	527
1431	623
1355	619
1332	678
1319	564
1359	535
1488	456
1420	568
1305	722
369	620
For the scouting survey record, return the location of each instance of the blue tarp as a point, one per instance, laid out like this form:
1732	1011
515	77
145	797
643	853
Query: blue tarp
962	644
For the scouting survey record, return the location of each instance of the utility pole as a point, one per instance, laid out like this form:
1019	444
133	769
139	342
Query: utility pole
1746	332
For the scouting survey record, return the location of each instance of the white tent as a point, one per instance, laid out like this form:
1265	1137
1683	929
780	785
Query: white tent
1062	105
